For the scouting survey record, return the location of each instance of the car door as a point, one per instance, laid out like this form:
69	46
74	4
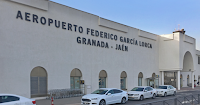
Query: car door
171	90
118	95
9	100
110	98
150	91
146	93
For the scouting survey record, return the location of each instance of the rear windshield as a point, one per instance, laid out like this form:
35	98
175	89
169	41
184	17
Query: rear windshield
162	87
137	89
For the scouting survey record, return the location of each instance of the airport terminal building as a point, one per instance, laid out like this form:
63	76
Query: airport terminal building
46	45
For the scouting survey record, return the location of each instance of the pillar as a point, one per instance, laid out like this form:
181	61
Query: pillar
192	77
162	77
178	80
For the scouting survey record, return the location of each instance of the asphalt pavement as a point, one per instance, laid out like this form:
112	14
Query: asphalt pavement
184	96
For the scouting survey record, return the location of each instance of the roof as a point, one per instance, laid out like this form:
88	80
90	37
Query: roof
165	85
8	94
142	86
2	94
107	88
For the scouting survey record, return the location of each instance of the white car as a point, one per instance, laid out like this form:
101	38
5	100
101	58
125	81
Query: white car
11	99
142	92
104	96
164	90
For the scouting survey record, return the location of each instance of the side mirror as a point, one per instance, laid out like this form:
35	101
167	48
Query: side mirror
109	94
145	90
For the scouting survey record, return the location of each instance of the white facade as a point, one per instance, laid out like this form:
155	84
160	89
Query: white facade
27	41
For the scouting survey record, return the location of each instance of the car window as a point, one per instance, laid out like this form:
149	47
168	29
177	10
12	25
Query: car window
171	87
117	91
4	99
137	89
149	88
162	87
111	91
99	91
168	87
146	89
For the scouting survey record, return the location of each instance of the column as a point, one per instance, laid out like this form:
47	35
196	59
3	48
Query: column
178	80
192	77
162	77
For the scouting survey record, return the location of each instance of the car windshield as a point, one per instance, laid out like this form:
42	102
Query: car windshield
99	91
137	89
162	87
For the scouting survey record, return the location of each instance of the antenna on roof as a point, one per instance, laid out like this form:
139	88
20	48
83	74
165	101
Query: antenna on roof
178	27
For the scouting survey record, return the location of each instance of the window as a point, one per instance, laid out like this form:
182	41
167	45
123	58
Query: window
140	76
75	77
149	88
38	82
99	91
171	87
188	79
198	60
111	91
137	89
123	83
162	87
75	82
117	91
102	82
102	79
4	99
123	80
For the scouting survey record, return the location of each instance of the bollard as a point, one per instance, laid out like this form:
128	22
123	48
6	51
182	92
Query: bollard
52	101
175	101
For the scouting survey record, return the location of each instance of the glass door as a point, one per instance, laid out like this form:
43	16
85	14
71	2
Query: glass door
75	82
102	82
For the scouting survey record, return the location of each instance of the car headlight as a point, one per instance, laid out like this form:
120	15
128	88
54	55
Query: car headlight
94	98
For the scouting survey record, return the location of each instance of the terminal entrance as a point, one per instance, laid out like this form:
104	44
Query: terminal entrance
170	78
153	81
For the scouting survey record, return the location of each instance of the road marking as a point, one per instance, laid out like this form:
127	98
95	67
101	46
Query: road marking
74	104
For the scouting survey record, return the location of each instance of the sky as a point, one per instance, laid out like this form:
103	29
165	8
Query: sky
154	16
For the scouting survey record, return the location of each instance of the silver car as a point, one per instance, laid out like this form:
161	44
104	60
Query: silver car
142	92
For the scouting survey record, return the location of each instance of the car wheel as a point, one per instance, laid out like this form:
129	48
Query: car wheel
123	100
165	94
102	102
174	93
154	96
141	98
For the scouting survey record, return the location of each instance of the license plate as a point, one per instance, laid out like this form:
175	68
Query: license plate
85	103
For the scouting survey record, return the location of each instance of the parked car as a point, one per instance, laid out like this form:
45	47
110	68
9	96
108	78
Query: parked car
105	96
11	99
142	92
164	90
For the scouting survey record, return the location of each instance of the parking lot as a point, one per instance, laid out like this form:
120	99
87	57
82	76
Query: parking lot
77	100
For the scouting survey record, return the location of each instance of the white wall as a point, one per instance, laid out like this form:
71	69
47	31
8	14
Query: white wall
26	45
